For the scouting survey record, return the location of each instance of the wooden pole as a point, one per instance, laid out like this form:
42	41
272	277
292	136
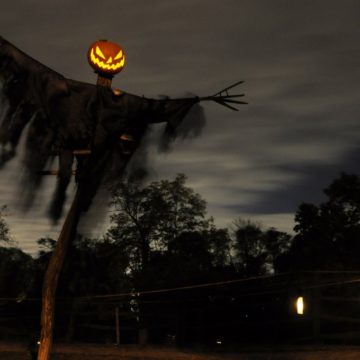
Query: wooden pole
55	265
104	80
316	311
117	324
52	276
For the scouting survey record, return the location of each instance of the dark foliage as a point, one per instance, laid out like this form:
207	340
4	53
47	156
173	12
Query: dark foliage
327	235
4	227
256	251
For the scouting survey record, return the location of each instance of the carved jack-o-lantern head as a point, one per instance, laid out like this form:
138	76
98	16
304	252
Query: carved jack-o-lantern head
106	57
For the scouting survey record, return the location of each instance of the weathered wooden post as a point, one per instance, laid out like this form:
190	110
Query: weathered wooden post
316	310
107	59
117	325
51	279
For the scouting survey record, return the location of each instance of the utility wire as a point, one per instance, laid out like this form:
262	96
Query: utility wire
157	291
335	283
331	272
190	287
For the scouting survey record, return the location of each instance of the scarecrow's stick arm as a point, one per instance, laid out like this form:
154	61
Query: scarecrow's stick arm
223	97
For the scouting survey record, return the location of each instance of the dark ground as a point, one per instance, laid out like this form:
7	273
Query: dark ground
17	351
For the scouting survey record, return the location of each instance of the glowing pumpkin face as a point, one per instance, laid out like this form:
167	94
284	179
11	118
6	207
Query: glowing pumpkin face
106	57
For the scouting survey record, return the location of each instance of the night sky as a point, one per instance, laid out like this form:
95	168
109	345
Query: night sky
300	62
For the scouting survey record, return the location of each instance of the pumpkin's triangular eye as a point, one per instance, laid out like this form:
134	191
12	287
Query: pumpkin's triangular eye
99	53
119	55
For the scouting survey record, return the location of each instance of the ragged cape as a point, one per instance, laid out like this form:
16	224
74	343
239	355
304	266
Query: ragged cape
62	118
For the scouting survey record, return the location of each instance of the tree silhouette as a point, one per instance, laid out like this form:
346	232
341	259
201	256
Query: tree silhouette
169	241
150	218
328	235
256	251
16	272
4	227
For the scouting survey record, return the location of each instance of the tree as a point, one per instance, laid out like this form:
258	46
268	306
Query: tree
220	247
249	248
169	241
150	218
256	250
16	272
328	235
4	228
277	243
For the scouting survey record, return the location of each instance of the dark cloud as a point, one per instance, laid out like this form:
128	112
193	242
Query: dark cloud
312	180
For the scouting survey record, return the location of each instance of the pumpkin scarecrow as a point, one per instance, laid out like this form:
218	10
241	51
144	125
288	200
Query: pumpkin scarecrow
98	126
89	126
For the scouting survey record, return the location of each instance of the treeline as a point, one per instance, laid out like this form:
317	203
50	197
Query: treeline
161	238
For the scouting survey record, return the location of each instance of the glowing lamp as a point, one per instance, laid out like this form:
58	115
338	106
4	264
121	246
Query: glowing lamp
106	58
300	305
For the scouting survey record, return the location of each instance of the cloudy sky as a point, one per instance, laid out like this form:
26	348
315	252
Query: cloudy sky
300	61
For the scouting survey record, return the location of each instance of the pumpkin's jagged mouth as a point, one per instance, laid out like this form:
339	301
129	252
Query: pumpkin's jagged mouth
102	65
